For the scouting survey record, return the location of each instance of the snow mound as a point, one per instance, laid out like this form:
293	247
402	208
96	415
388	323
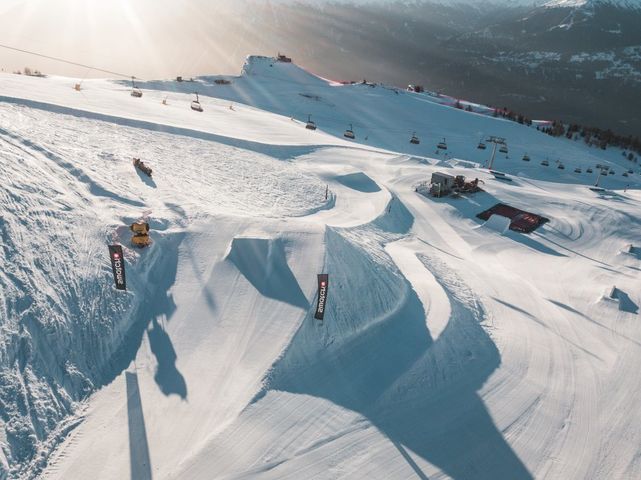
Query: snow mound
498	223
263	262
358	181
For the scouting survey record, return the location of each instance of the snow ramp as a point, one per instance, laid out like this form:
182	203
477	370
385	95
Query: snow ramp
370	375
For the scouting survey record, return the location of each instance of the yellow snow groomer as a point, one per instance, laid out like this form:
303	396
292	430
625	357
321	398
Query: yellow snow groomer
141	234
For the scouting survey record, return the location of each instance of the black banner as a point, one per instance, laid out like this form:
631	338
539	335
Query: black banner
323	285
118	266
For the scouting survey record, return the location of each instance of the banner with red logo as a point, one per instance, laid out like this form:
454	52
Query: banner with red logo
323	284
118	266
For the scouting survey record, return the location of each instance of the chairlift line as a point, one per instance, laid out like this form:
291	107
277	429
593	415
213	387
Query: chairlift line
69	62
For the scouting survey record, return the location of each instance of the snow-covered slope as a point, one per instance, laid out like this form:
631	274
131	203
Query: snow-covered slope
448	350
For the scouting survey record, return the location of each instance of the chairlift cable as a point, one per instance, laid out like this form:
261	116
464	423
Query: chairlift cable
49	57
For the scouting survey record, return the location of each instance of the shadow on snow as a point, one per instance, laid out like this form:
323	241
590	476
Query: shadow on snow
377	358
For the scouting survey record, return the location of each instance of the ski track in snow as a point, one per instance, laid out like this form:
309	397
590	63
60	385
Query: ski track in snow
447	351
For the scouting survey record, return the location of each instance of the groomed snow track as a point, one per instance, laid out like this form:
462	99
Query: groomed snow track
447	350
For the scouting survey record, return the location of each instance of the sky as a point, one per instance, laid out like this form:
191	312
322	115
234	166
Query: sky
145	38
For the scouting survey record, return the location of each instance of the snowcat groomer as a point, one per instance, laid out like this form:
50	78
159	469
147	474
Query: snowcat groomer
140	165
141	237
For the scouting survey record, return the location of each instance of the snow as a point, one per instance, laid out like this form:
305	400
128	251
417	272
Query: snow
447	350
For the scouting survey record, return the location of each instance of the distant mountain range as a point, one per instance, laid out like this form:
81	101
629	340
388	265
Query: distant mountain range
575	60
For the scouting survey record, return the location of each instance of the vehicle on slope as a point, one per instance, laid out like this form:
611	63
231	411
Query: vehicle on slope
141	238
140	165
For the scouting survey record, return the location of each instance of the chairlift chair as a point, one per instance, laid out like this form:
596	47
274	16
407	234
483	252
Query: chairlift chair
349	133
561	166
577	170
503	149
195	105
414	140
545	163
310	124
481	146
135	91
526	158
442	145
589	170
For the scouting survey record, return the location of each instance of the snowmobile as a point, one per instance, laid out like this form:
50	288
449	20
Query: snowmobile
349	133
141	237
195	105
310	125
414	140
140	165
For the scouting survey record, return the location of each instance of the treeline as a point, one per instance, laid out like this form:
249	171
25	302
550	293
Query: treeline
30	72
512	115
592	136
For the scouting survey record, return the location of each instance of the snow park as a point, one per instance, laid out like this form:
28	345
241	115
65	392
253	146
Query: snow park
279	276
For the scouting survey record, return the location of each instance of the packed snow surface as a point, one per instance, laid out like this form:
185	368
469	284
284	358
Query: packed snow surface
450	348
